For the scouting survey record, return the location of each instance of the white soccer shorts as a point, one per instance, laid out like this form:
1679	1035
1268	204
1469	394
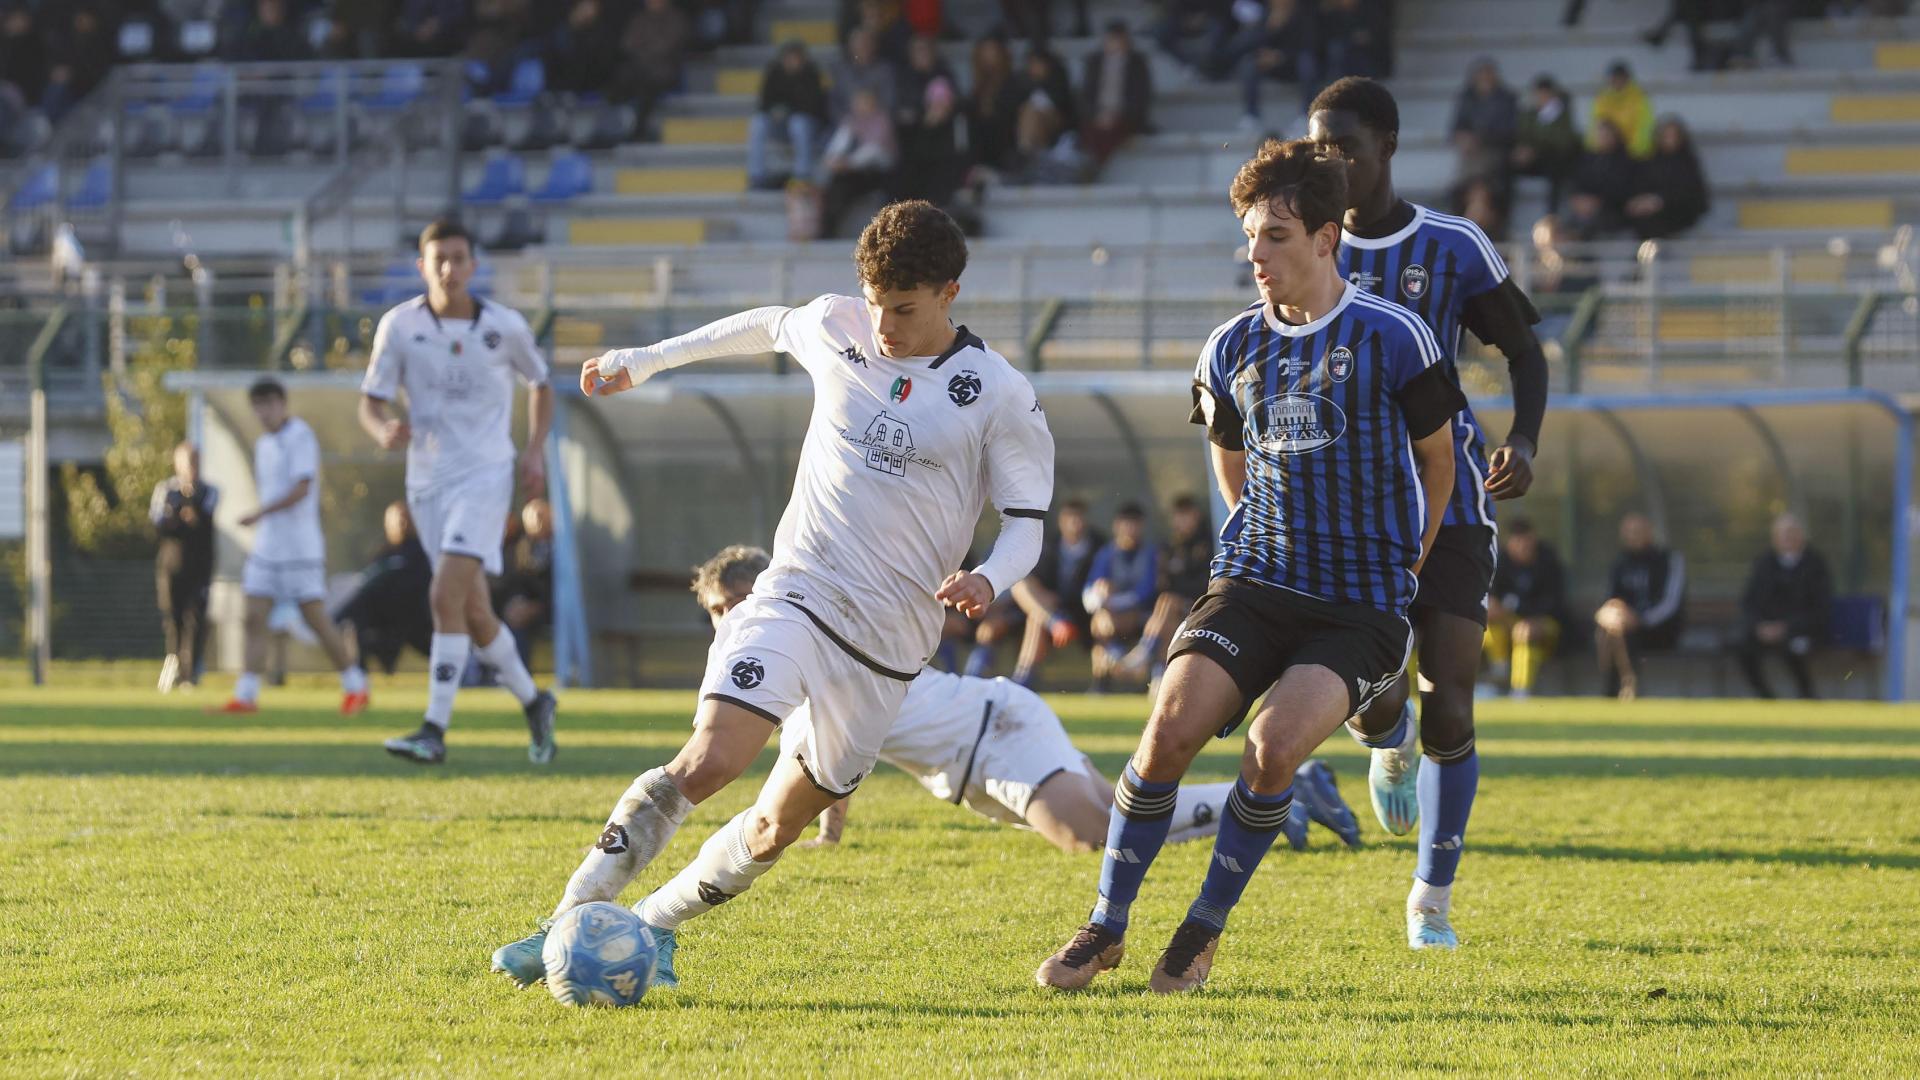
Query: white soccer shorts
1024	747
769	656
295	581
465	517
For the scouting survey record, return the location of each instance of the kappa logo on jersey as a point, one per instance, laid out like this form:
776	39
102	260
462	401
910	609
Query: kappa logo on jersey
888	442
419	339
855	356
749	673
492	338
1340	364
1297	423
1414	281
902	389
965	388
613	840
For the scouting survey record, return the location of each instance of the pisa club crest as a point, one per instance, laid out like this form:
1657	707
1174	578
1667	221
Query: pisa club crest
1414	281
1340	364
1297	423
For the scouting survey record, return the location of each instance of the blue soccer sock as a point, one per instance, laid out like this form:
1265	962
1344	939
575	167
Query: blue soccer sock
979	661
1142	815
1446	791
1247	830
1393	737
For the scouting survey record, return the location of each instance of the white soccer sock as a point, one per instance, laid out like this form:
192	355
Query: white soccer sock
643	821
446	660
1197	809
1432	897
724	869
503	653
247	688
353	679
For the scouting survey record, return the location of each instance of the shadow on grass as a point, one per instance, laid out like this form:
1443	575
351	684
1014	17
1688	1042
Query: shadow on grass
1795	856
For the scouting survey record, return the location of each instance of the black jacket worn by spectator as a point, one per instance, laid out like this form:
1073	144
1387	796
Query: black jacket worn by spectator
1799	594
1537	590
1186	566
1653	583
390	609
1136	89
1065	571
795	93
1677	179
185	556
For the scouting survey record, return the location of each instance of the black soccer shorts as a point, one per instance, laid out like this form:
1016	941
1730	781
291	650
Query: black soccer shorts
1257	631
1457	574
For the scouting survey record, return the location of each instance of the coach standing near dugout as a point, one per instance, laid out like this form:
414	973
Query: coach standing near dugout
182	514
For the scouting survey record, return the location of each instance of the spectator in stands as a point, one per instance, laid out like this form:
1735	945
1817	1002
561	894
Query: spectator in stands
923	67
524	594
1120	592
931	164
1785	609
1118	92
1526	608
860	68
1601	183
1033	19
358	28
1645	608
653	55
881	21
1480	201
389	610
1215	22
1625	105
1485	123
1694	16
1670	194
1355	39
270	35
793	110
1764	19
182	514
1048	114
430	27
23	55
1186	562
1047	600
80	52
583	50
1545	142
1284	46
860	158
993	105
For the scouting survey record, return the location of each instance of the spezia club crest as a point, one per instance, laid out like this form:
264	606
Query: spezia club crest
492	339
1340	364
964	388
1414	281
902	387
748	673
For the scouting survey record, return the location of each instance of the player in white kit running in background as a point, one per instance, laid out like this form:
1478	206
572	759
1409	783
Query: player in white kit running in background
457	357
289	558
916	426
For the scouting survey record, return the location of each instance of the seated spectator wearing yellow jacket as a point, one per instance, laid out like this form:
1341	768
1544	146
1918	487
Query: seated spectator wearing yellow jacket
1625	105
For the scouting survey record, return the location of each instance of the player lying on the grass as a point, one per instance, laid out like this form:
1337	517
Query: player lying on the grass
457	357
1330	414
1444	270
289	557
916	424
996	748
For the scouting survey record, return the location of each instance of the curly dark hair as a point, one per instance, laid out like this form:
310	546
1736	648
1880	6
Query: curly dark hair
1361	96
734	566
1312	186
910	244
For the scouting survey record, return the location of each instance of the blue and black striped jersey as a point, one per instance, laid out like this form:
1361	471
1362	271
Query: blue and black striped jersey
1432	266
1327	413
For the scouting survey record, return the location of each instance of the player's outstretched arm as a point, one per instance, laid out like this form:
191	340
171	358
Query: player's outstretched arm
747	334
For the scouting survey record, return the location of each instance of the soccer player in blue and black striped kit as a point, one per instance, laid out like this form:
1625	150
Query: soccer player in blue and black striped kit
1446	271
1330	415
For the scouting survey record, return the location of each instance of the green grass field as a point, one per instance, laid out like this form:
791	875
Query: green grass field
1686	887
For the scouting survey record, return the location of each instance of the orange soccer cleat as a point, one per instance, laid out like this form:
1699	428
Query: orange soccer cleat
234	706
355	702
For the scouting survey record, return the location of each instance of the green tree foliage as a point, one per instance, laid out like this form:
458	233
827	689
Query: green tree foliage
107	510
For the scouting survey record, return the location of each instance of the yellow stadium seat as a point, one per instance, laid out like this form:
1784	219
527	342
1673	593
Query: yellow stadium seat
1803	268
680	181
1852	160
817	32
683	130
1876	108
641	230
1717	323
1816	214
738	82
1897	56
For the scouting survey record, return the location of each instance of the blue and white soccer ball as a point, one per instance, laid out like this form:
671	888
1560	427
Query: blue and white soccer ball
599	954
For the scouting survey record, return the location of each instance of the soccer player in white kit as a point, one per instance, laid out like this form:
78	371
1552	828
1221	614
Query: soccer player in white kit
289	557
915	426
457	357
990	745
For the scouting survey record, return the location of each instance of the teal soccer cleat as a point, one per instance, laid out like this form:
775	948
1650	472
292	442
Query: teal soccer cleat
1392	781
1428	928
521	960
664	945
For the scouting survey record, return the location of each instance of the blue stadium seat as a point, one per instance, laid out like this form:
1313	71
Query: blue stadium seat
501	176
41	188
1859	623
401	86
203	94
96	187
571	174
400	281
325	99
529	81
